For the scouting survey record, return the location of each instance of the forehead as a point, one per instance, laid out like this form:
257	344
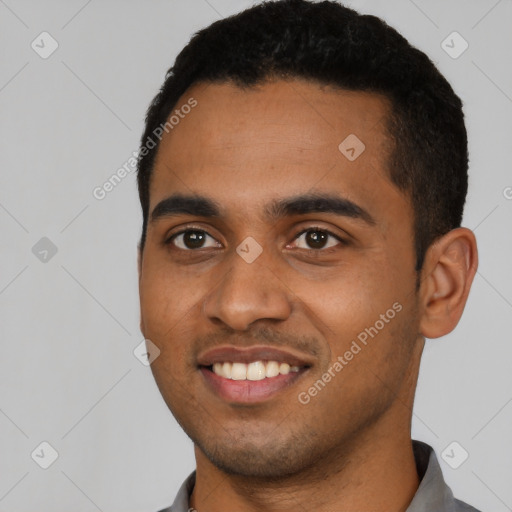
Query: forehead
244	146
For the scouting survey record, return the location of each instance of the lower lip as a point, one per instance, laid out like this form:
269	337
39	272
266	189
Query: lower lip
249	391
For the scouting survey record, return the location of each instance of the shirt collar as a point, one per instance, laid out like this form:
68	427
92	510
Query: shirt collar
433	494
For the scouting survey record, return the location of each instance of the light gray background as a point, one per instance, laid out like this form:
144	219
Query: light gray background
69	325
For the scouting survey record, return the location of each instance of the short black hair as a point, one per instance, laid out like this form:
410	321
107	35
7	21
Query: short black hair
328	43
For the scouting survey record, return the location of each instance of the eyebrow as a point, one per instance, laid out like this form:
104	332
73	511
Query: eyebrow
179	204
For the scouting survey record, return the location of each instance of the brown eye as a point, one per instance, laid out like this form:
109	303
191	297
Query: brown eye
316	238
191	239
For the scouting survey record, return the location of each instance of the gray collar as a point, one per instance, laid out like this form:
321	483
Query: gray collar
433	494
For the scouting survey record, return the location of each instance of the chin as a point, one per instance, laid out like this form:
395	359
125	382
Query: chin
251	462
274	459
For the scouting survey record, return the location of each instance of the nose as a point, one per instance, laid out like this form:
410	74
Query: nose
248	292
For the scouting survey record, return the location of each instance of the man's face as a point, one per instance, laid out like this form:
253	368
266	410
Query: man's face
322	279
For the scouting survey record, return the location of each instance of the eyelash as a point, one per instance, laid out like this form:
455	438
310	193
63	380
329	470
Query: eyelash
169	240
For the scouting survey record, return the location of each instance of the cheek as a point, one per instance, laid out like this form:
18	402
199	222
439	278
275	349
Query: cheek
165	297
369	359
362	315
165	307
353	298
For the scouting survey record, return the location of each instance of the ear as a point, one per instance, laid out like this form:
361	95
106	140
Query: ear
448	271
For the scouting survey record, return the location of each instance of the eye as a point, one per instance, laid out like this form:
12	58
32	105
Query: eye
313	239
318	238
190	239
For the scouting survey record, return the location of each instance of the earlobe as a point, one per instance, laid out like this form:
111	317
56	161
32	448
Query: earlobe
449	269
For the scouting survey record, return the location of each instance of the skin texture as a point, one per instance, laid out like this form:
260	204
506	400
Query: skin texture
349	448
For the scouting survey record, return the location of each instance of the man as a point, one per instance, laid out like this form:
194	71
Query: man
302	177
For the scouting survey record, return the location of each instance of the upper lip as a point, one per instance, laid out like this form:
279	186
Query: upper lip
250	354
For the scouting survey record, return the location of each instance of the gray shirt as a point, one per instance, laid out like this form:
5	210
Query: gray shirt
433	494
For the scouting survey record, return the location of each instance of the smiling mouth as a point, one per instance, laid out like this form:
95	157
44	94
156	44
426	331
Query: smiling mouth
250	383
251	375
254	371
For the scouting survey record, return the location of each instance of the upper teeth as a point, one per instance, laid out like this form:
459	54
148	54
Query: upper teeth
257	370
